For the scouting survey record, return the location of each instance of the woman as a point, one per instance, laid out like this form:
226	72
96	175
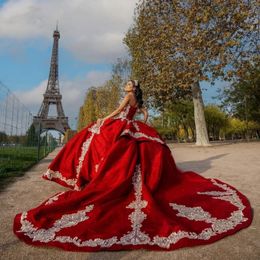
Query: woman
134	97
127	192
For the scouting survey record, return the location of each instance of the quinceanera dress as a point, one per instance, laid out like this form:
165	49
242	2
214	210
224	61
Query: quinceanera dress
127	193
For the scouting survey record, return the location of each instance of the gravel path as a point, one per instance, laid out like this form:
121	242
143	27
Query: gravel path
237	164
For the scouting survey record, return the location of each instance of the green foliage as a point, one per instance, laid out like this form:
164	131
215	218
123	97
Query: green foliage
32	138
242	98
18	153
103	100
216	121
238	128
174	44
15	160
167	133
176	120
3	137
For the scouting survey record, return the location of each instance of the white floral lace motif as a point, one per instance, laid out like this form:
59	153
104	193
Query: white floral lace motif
56	174
136	235
47	235
140	134
54	198
94	129
123	116
84	148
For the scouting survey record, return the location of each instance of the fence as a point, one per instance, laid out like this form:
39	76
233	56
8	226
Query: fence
20	144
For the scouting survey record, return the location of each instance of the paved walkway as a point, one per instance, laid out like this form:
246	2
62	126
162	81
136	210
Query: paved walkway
238	164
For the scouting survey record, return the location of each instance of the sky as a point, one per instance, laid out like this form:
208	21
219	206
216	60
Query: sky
91	41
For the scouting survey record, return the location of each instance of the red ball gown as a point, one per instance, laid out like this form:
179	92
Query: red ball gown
127	193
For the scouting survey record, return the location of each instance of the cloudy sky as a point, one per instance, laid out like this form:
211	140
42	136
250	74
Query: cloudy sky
91	41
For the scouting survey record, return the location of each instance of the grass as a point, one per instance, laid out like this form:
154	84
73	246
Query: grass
15	161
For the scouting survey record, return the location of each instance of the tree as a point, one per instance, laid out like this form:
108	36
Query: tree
3	137
176	44
87	111
242	98
102	100
122	70
216	120
182	115
32	137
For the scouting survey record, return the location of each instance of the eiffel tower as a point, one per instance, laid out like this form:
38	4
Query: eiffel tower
52	96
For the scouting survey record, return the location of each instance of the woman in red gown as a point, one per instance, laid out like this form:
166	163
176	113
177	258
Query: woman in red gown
127	192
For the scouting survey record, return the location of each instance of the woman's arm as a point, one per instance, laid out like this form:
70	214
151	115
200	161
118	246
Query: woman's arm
120	108
145	113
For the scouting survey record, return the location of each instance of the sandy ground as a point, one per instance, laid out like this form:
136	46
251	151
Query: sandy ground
237	164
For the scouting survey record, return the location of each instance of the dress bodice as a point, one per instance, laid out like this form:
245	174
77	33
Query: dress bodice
128	112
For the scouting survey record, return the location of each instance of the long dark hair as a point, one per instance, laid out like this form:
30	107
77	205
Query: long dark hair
138	93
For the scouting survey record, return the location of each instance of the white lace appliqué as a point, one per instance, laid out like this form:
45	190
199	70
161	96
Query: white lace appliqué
54	198
94	129
84	148
123	116
136	236
218	226
140	134
56	174
136	126
47	235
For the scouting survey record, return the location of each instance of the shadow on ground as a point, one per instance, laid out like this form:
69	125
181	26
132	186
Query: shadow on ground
201	165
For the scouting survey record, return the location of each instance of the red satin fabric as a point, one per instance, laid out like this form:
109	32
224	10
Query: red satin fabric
127	193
